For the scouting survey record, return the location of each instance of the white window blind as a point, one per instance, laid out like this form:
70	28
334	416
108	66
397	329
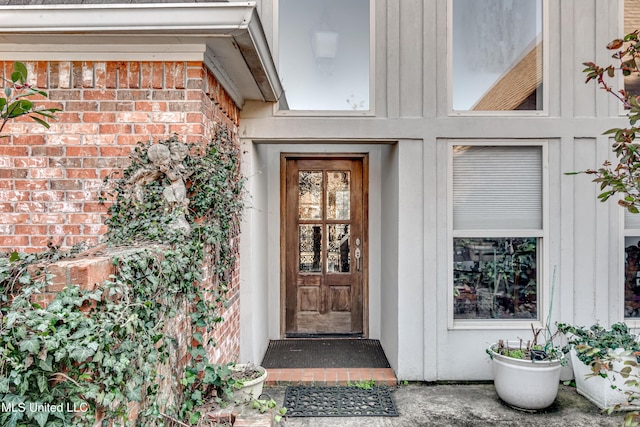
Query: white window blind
631	220
497	187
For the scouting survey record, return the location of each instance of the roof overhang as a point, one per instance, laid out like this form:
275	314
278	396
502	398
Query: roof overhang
227	37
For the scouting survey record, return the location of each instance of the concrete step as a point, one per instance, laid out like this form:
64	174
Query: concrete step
330	376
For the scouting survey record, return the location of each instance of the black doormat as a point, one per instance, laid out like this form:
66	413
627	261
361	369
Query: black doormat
302	401
325	353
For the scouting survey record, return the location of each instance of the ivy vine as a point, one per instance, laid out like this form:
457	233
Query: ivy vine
98	350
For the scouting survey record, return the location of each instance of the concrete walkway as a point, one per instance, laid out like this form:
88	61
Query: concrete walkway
469	405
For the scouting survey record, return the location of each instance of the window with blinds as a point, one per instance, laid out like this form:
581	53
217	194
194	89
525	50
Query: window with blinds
496	187
497	213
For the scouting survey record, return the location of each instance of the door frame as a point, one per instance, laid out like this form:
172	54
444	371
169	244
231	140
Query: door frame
364	157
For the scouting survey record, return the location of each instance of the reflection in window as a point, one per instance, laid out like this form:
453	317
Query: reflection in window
338	195
338	260
324	53
310	195
495	278
631	265
310	248
632	277
497	55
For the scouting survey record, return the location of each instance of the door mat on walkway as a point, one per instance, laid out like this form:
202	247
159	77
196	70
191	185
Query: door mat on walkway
303	401
325	353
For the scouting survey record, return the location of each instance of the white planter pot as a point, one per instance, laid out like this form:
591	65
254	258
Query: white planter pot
598	390
525	384
252	389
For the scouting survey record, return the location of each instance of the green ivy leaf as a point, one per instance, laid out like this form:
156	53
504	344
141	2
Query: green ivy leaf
31	345
80	354
12	317
198	337
194	417
41	418
46	365
4	384
43	384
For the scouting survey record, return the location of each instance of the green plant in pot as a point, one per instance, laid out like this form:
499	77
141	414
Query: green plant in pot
221	385
527	374
617	179
605	364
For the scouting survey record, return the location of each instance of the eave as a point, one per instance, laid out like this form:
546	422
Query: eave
227	37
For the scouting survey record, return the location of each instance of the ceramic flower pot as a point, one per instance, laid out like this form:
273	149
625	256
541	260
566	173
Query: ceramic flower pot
605	392
525	384
250	389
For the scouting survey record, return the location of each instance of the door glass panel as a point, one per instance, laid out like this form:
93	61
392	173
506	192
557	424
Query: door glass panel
338	195
310	195
338	259
310	248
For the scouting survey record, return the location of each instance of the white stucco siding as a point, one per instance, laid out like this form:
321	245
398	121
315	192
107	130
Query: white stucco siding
254	283
389	261
409	188
410	254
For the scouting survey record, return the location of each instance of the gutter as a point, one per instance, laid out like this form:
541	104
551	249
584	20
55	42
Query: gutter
131	17
236	20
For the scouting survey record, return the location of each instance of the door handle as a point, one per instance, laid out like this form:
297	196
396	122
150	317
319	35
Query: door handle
358	254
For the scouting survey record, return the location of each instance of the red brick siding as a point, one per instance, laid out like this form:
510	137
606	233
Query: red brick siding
88	272
50	179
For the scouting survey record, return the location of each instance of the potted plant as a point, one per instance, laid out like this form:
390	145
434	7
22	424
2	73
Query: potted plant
229	385
248	380
526	375
605	364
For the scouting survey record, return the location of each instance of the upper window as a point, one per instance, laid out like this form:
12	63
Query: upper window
497	217
497	55
324	54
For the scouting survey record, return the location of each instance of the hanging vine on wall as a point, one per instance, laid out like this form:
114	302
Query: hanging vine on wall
180	204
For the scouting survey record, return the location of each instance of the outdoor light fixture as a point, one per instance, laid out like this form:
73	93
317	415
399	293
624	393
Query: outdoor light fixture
324	44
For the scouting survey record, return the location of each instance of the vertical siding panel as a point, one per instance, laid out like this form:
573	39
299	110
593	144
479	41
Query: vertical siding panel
561	27
430	62
554	236
411	58
608	27
393	59
565	278
431	172
584	234
603	241
410	255
615	255
584	40
380	75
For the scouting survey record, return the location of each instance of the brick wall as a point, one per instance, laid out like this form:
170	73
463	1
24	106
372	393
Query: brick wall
87	272
50	179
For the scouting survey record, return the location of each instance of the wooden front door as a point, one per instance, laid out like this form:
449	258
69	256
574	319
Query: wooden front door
324	246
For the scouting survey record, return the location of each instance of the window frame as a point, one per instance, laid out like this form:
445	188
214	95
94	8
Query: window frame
277	111
544	112
540	234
